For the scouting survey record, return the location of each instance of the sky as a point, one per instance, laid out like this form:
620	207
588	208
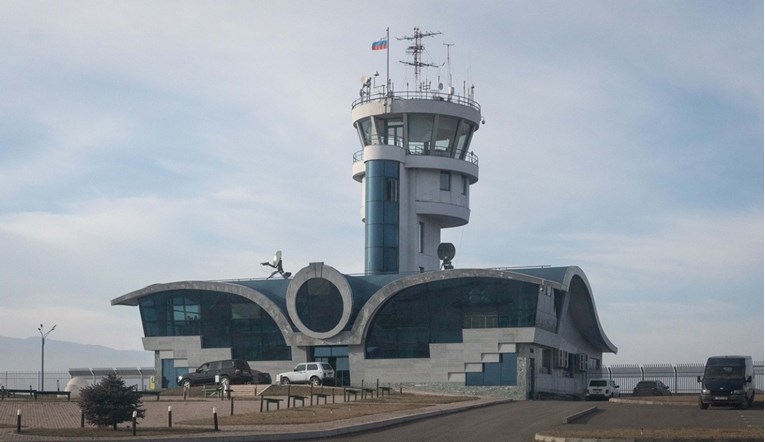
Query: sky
149	142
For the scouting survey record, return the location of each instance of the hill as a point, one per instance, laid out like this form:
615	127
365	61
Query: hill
24	355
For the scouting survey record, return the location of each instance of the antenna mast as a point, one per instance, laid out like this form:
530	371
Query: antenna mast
415	50
449	63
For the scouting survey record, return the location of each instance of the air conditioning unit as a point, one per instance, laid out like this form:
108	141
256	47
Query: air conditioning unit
561	359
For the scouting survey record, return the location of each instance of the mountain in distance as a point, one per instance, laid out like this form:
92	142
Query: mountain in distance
25	355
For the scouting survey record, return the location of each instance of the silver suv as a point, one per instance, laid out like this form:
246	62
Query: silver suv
602	389
316	373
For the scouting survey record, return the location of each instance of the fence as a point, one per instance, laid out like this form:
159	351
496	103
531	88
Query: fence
57	380
680	378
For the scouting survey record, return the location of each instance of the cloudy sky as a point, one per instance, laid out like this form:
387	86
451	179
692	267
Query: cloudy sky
145	142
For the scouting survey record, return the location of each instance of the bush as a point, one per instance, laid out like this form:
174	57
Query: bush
110	402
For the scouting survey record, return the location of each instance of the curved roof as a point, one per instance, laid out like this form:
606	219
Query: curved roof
372	291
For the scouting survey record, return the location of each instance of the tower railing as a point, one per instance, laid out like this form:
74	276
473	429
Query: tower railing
418	95
470	157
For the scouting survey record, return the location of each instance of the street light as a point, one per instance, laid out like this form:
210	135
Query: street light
42	359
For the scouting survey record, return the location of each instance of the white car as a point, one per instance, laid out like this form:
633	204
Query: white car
316	373
601	389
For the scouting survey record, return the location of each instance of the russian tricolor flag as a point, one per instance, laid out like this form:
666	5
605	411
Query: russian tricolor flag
380	44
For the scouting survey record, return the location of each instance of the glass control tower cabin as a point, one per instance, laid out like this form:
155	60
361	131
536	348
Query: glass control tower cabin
415	167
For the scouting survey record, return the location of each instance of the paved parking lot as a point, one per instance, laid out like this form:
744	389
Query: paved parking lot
513	421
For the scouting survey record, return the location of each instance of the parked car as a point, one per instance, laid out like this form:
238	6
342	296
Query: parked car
228	371
651	388
601	389
316	373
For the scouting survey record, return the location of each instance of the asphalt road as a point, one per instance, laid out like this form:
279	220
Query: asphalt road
520	421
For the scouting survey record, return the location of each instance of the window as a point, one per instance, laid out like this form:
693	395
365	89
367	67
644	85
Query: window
447	128
464	185
394	132
546	366
438	311
365	131
222	320
463	139
391	189
421	237
446	180
420	134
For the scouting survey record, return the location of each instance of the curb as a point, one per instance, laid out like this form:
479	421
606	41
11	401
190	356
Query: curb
581	414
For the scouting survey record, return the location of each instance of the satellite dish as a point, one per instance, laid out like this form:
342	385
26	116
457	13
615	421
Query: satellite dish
446	252
276	263
277	258
440	86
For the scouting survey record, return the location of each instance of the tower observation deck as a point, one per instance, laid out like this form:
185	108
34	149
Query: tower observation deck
416	169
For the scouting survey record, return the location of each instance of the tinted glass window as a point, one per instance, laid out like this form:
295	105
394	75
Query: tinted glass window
437	312
319	304
222	320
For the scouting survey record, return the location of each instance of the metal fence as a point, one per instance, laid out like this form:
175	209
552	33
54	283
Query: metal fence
57	380
680	378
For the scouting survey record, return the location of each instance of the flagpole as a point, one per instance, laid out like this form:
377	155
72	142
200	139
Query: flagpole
387	63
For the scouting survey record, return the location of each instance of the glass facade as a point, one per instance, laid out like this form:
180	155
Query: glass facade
427	134
222	320
337	357
381	223
437	312
319	304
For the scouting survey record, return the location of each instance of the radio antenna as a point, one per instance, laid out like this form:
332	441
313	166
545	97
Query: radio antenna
415	50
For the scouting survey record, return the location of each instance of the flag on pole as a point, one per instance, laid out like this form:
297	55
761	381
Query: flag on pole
380	44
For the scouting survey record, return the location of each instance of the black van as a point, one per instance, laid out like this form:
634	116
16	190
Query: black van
727	380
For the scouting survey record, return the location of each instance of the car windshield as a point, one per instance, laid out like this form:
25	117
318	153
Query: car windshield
598	383
646	384
724	372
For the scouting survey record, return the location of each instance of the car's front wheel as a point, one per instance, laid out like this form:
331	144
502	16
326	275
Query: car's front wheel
186	383
315	381
285	380
225	382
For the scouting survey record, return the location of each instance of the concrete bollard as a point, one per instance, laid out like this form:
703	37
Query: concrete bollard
18	420
215	418
169	416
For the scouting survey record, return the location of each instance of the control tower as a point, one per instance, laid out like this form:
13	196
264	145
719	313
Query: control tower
415	167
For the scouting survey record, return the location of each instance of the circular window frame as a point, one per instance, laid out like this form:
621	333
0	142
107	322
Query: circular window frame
319	271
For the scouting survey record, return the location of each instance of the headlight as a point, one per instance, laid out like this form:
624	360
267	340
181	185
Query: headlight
706	391
737	392
179	378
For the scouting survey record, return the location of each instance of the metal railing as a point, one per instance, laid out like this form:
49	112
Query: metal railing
417	95
57	380
680	378
470	156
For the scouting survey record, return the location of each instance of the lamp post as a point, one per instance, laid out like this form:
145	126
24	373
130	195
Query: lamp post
43	335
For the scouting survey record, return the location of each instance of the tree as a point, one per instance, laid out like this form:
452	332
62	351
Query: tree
110	402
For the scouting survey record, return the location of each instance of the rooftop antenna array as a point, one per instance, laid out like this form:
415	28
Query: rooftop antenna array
415	50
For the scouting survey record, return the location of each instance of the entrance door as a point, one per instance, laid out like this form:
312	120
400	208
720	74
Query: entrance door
337	357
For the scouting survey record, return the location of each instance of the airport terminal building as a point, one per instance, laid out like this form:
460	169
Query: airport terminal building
411	317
